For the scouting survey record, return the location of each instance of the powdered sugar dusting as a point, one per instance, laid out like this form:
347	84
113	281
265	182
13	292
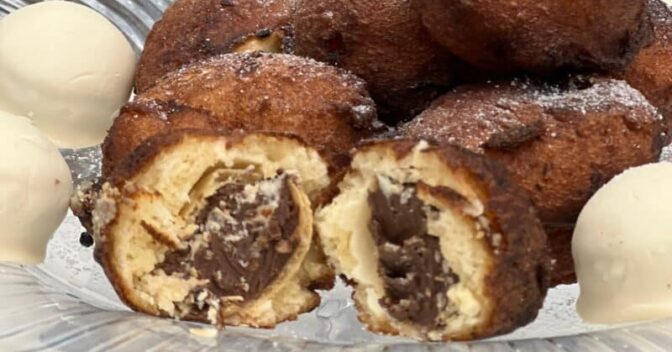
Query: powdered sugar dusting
192	30
264	78
602	95
471	116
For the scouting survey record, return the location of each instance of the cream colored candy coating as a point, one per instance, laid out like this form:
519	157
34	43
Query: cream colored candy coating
35	188
622	248
67	68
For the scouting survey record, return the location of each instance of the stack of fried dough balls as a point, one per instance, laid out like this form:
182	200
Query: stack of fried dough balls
441	150
382	42
598	126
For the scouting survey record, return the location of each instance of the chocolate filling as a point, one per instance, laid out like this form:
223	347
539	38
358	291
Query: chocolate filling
246	238
415	276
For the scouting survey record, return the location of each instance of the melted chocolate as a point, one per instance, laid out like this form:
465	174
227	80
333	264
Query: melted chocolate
244	242
415	275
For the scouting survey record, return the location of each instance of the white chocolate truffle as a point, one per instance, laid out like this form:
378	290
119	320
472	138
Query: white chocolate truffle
35	188
67	68
622	248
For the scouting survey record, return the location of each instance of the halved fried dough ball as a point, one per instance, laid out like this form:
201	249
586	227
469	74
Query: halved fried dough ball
383	42
560	142
438	242
651	71
214	228
192	30
325	106
539	35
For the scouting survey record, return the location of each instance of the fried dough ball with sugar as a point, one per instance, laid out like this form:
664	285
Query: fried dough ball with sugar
561	142
438	243
539	35
651	71
192	30
214	228
383	42
323	105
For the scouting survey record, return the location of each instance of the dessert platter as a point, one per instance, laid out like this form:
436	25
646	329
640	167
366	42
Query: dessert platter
228	175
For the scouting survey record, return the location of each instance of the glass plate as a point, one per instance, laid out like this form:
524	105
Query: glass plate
67	303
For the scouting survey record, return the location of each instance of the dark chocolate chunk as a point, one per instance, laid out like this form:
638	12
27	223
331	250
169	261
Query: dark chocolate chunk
246	238
86	240
416	277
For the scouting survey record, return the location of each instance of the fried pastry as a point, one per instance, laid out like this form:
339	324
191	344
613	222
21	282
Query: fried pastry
214	228
323	105
539	36
651	71
193	30
438	242
383	42
561	142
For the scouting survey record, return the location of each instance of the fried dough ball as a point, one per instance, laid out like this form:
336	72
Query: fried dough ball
321	104
192	30
383	42
439	243
560	142
539	35
215	228
651	71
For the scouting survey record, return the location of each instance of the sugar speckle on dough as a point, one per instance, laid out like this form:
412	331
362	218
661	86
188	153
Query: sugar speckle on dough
522	104
599	96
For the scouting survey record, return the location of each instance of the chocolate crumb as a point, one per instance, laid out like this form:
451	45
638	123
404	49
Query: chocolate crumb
86	240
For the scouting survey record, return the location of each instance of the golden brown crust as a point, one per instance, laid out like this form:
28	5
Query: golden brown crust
324	106
539	35
559	144
384	43
109	264
521	268
121	195
192	30
651	70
